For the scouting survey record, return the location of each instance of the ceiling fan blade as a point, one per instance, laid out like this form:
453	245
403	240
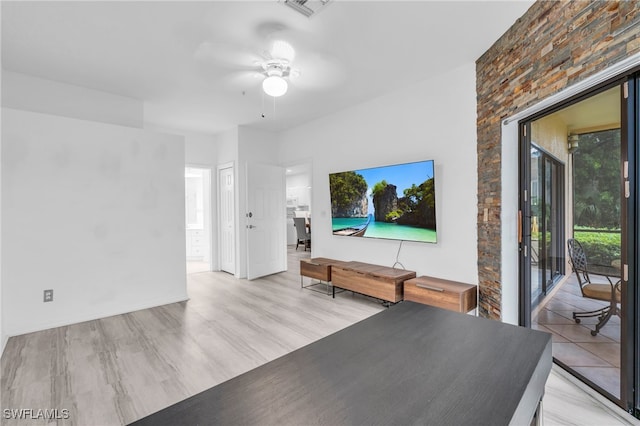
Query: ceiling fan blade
240	81
226	55
281	49
290	42
317	72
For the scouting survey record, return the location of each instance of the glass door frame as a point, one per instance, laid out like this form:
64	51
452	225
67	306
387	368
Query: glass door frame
631	242
525	218
524	223
551	167
630	221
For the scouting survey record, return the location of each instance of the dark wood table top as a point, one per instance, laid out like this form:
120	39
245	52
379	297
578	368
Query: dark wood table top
410	364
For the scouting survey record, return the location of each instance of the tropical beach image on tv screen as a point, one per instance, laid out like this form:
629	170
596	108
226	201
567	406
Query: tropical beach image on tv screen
394	202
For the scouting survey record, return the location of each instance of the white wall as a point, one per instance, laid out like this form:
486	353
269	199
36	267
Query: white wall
298	187
201	150
227	146
3	335
433	120
28	93
93	211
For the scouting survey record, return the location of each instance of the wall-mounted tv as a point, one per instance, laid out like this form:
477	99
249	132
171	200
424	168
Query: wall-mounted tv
395	202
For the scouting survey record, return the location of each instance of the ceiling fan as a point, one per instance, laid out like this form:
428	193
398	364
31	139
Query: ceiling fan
277	65
278	68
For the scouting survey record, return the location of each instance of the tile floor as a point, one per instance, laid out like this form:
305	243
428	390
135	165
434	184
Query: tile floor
595	357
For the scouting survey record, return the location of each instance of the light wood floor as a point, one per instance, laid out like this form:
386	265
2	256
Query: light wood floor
116	370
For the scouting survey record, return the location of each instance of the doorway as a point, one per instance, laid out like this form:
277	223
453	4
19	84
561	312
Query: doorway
298	188
573	165
198	219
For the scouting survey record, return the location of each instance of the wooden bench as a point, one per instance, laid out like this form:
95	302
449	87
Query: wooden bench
318	268
446	294
376	281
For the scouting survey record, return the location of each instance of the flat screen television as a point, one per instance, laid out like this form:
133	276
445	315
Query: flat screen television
394	202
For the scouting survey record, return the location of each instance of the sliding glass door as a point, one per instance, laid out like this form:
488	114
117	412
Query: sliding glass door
547	223
579	187
630	189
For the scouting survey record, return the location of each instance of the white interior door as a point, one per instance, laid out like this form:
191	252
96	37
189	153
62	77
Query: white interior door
266	220
227	220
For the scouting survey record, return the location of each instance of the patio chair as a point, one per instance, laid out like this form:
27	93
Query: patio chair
605	291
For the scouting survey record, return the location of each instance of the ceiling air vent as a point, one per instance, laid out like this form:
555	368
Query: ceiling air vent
306	7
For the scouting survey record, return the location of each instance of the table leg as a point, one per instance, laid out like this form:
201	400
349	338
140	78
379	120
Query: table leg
537	419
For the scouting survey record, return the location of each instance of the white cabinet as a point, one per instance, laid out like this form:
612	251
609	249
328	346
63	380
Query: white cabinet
195	244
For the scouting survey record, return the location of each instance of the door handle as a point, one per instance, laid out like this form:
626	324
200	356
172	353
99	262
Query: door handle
250	226
519	226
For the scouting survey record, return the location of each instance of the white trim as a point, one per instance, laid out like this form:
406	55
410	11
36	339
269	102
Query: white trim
509	171
509	224
220	167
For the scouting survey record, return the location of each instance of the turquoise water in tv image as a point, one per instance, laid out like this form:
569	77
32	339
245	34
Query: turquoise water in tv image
387	230
401	197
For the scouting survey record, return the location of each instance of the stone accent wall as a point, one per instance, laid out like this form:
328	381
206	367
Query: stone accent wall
553	45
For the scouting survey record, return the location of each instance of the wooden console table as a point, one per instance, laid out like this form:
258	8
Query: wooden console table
446	294
376	281
318	268
409	364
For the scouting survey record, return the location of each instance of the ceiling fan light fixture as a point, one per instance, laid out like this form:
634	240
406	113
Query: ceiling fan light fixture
275	86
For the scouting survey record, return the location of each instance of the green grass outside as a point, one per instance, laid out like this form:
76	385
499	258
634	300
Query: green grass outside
601	247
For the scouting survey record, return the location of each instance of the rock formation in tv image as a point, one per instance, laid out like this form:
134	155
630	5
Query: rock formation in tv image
416	208
348	195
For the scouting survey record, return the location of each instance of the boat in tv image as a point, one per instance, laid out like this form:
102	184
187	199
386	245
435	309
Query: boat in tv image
393	202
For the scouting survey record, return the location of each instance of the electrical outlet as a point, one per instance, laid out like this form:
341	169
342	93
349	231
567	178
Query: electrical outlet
48	295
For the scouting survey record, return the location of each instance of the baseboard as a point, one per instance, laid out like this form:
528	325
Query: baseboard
96	315
3	344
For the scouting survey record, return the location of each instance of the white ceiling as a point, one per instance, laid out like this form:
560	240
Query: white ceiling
191	62
601	111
